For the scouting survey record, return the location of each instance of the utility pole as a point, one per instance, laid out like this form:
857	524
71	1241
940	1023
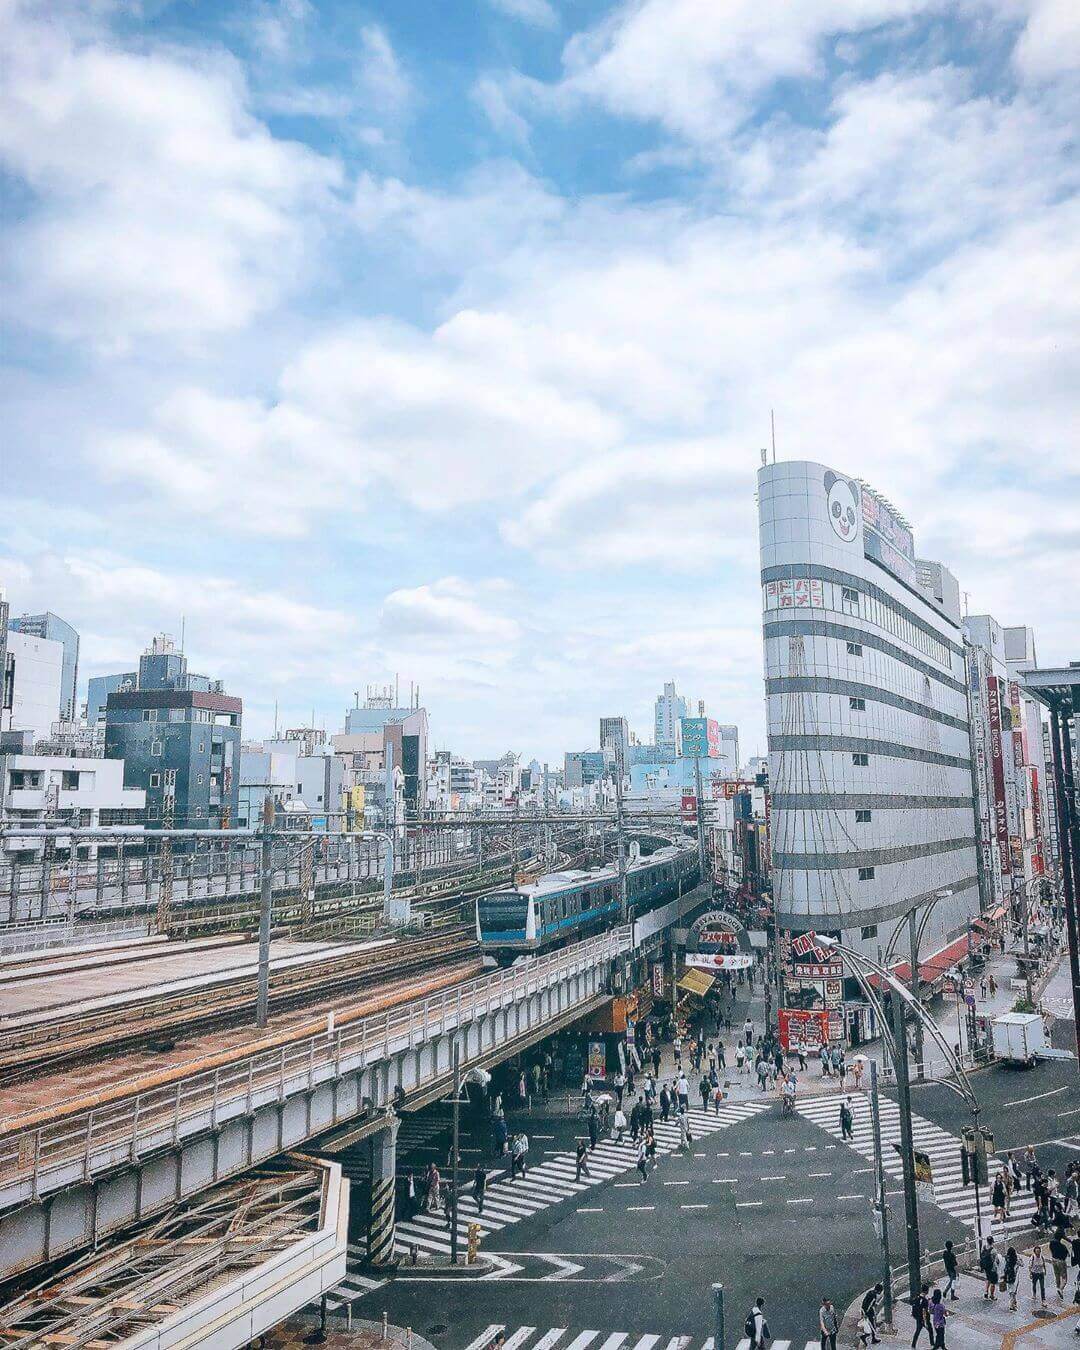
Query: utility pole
882	1206
266	889
454	1157
700	813
718	1316
624	908
913	941
907	1146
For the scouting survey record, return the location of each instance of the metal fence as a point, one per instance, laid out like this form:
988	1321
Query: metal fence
156	1117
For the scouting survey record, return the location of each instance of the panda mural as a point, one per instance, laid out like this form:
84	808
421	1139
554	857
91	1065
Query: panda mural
843	506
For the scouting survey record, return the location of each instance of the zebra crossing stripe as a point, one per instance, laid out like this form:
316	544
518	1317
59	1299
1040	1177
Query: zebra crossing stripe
943	1149
509	1201
520	1338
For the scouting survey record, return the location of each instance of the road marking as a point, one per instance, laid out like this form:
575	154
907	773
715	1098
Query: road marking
778	1178
851	1197
723	1155
806	1201
749	1204
724	1181
545	1342
1037	1098
598	1210
621	1185
767	1152
544	1136
519	1337
1061	1114
676	1183
860	1171
693	1206
580	1342
699	1155
638	1209
810	1148
791	1150
486	1336
746	1155
830	1145
614	1341
819	1174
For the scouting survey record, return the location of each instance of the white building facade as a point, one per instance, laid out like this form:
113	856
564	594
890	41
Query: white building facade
63	790
37	666
869	754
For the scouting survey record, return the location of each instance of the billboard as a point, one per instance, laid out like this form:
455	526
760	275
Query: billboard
719	960
700	737
809	1028
886	539
1000	809
689	808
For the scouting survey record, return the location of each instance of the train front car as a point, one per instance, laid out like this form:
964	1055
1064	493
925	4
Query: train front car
506	924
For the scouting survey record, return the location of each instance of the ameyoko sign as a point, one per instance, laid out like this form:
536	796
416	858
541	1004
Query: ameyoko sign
719	960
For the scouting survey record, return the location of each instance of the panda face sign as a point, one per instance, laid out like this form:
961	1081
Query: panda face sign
842	506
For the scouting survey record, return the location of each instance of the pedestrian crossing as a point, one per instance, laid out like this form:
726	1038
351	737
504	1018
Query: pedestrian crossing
943	1148
507	1202
570	1338
354	1286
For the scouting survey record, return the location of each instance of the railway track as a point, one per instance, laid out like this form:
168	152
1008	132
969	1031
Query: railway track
49	1037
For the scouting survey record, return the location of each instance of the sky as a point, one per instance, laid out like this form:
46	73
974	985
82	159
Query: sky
439	338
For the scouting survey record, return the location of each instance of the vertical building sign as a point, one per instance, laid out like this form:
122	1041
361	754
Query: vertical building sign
1038	866
1001	811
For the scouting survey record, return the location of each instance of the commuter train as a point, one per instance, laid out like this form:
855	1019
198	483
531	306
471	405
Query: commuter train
562	907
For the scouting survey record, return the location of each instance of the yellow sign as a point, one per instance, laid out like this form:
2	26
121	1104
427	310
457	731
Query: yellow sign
696	982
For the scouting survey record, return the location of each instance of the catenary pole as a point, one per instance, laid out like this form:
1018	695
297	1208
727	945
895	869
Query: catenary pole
456	1135
907	1146
879	1175
266	890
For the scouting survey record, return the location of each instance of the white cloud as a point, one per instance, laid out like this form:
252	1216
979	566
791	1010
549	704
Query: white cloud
493	96
447	612
383	82
537	12
1050	42
160	205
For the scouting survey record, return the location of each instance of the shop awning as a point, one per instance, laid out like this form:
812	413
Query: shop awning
996	914
697	982
933	967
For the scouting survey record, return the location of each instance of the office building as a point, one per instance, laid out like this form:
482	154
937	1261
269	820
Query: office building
615	736
869	751
380	724
180	743
33	682
98	689
670	709
54	628
36	790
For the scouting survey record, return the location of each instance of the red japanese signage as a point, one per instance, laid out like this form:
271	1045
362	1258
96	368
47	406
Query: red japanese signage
806	1027
689	807
1038	866
1001	814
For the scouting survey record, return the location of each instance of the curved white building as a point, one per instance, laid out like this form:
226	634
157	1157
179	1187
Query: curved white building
869	749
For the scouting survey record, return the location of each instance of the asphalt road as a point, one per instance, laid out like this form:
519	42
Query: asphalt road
767	1206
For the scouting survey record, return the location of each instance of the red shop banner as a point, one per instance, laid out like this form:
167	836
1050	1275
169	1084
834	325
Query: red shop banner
808	1026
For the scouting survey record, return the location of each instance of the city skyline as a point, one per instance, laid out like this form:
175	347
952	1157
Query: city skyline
471	374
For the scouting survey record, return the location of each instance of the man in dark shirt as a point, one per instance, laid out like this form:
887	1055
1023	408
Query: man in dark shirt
869	1309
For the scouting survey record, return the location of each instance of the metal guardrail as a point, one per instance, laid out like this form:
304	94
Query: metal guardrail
154	1118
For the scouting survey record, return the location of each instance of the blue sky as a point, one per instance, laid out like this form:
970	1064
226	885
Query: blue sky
440	338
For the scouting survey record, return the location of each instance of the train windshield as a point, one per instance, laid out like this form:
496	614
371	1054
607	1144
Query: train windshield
502	911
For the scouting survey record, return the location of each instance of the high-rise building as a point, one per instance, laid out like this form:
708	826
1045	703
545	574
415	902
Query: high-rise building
34	680
869	751
615	736
55	629
179	740
671	708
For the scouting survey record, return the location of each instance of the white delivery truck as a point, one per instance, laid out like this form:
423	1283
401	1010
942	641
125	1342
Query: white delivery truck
1019	1038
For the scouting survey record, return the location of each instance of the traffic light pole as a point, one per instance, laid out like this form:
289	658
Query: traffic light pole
879	1174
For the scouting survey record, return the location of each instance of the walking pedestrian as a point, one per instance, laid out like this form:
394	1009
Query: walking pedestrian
684	1131
581	1160
620	1087
755	1327
705	1089
870	1311
518	1154
643	1161
991	1269
1011	1276
620	1124
1037	1272
828	1324
1028	1167
594	1128
938	1315
920	1312
665	1103
952	1270
650	1145
740	1057
656	1061
479	1186
433	1197
847	1120
682	1087
997	1198
1059	1257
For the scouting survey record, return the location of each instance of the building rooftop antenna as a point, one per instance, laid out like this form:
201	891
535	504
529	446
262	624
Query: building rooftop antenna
772	425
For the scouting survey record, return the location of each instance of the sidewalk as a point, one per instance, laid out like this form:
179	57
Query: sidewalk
974	1324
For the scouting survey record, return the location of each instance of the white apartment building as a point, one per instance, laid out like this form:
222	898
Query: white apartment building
671	708
61	789
869	751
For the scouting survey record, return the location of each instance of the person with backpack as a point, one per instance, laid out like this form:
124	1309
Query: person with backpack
755	1328
1059	1257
